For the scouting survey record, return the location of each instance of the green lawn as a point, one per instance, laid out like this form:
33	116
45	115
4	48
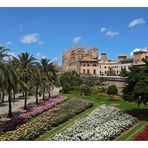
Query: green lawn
133	132
97	99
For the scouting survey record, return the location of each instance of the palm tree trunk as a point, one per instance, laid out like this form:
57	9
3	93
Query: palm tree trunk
37	87
10	107
2	96
43	94
25	103
49	95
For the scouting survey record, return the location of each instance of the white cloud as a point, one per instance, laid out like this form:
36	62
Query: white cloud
137	49
11	54
77	40
40	56
30	38
136	22
103	29
112	34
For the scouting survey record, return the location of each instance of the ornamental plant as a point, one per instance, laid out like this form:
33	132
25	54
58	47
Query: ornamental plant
104	123
47	120
143	136
32	112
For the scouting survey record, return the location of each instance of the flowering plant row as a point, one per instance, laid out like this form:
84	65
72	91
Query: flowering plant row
143	136
47	120
22	118
104	123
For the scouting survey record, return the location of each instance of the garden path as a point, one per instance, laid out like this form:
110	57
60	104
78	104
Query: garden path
17	105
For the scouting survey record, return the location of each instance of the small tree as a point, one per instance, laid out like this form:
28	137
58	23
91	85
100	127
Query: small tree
69	81
112	90
85	89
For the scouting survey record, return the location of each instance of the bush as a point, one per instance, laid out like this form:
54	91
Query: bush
85	90
96	90
112	90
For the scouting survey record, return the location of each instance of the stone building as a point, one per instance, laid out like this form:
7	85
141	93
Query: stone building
86	61
138	56
81	60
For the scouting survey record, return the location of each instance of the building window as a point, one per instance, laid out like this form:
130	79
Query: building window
83	70
83	64
88	71
100	72
105	72
117	72
88	65
94	65
94	71
105	67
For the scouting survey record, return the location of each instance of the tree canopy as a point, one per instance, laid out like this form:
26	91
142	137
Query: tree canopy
136	88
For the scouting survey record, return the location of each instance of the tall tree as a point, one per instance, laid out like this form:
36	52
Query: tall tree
25	63
50	70
136	88
10	83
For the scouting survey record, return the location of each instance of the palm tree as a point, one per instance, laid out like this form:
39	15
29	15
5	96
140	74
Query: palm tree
25	63
50	71
10	83
36	80
3	55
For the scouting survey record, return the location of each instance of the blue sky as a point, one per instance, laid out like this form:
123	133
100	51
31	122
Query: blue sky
47	32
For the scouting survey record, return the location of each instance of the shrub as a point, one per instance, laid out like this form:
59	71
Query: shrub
112	90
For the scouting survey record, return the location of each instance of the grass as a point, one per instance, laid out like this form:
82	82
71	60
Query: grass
133	132
99	99
66	124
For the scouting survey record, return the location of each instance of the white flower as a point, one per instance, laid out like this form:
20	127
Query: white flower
104	123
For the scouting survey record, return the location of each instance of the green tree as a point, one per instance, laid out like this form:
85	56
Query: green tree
25	63
70	80
123	72
10	84
112	90
136	88
50	71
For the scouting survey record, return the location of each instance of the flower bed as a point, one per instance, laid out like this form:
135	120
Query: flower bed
104	123
143	136
47	120
22	118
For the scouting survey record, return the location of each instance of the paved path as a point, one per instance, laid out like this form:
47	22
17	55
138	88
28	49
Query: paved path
17	106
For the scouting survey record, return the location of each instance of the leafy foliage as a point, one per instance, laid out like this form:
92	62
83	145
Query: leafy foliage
112	90
70	80
136	88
